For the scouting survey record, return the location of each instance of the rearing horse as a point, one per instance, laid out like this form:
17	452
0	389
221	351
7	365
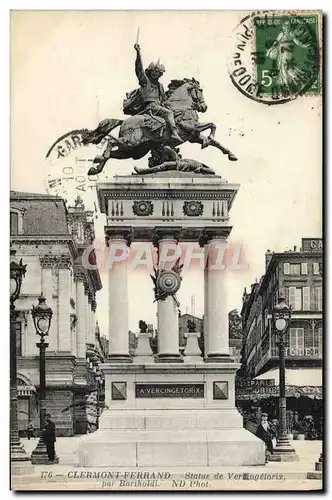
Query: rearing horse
144	132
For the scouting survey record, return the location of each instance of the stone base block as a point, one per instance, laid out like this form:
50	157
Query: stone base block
21	468
284	457
162	448
146	419
315	475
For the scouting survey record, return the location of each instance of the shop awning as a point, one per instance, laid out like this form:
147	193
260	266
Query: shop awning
301	377
305	382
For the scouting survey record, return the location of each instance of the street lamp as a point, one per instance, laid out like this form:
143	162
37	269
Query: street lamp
42	316
98	382
281	317
18	455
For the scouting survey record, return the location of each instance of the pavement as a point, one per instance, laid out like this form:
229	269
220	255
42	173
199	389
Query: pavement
67	476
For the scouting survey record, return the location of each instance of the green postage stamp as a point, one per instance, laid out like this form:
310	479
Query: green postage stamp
276	56
287	51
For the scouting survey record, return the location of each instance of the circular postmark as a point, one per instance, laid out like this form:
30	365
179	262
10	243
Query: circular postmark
276	56
68	161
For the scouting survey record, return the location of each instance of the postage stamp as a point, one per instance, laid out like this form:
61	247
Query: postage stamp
278	57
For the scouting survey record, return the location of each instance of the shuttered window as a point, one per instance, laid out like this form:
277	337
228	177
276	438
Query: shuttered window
304	268
315	268
306	298
319	298
291	296
286	268
298	299
13	223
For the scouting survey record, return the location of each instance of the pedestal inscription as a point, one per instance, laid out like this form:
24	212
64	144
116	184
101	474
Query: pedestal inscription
169	390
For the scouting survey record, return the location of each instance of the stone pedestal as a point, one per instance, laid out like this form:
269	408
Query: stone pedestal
184	416
169	413
143	352
192	352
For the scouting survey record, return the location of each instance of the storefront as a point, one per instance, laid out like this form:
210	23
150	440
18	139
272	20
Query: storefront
304	394
26	406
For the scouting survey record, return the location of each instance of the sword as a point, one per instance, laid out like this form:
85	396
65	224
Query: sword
137	37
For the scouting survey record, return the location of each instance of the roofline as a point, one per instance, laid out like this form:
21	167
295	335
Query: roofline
20	195
279	256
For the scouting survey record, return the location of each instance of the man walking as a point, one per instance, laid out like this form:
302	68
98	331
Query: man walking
49	437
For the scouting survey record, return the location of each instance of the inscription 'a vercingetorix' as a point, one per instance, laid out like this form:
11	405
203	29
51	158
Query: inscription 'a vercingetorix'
169	390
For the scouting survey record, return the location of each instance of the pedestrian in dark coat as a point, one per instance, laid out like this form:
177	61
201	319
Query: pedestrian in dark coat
266	432
49	437
30	430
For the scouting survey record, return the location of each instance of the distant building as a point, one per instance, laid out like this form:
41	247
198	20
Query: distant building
51	239
296	275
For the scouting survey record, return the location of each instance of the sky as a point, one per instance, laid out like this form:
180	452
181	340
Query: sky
71	69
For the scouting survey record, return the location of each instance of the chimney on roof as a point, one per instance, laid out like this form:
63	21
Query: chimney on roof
295	248
268	257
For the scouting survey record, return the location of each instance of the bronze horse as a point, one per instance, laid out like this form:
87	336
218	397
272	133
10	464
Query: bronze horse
142	133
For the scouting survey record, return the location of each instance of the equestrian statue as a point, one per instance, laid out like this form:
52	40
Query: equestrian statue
159	122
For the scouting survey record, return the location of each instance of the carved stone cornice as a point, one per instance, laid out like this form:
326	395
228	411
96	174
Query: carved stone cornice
208	235
80	276
118	234
48	261
65	261
159	234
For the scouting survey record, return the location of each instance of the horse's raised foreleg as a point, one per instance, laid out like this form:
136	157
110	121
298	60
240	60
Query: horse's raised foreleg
205	126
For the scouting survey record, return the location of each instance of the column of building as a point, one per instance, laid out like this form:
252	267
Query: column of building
48	263
168	315
118	301
65	264
80	313
216	309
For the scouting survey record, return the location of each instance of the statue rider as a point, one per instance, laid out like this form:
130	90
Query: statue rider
153	94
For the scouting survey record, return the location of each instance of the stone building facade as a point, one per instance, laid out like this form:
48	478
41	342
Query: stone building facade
297	275
53	241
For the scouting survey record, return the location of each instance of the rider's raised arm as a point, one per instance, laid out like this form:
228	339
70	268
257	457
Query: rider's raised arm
140	73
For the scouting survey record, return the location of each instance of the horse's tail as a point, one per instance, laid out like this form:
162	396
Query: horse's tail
103	129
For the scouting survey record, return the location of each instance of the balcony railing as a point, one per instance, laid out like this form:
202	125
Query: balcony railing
301	352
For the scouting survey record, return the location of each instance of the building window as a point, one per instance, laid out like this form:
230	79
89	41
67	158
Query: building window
299	298
316	268
295	269
319	298
296	338
18	330
16	221
306	298
13	223
318	340
304	268
295	298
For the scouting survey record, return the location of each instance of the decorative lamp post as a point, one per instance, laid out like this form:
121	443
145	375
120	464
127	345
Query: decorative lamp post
281	316
18	455
99	381
42	316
